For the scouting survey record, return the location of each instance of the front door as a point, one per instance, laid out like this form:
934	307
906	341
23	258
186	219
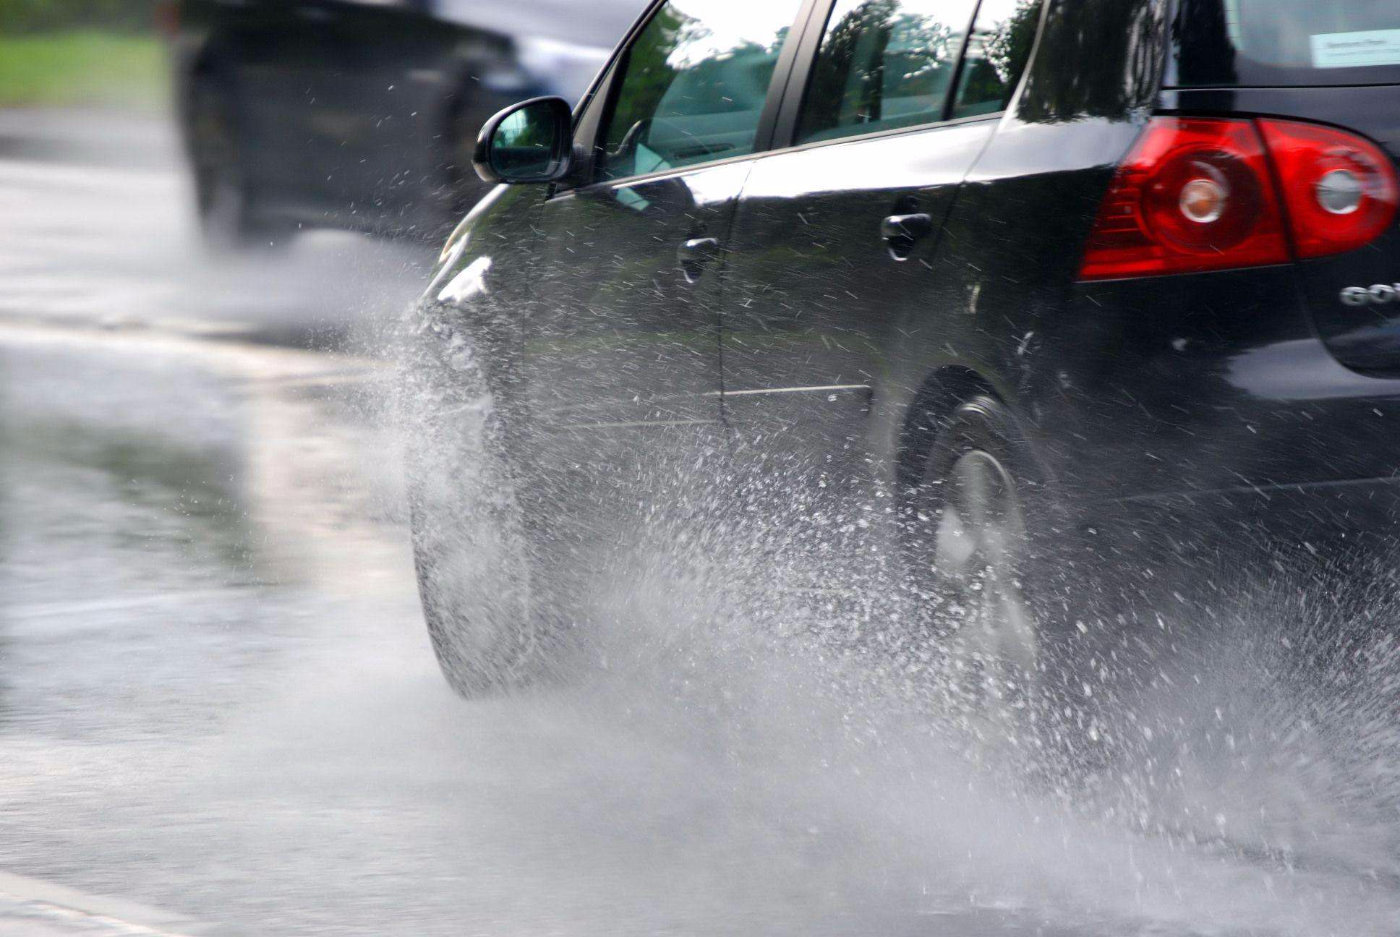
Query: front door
627	336
622	362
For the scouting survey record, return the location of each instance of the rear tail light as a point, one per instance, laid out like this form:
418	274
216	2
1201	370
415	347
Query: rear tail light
1199	194
1339	189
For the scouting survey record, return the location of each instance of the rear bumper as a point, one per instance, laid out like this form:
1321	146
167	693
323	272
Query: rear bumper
1208	387
1320	519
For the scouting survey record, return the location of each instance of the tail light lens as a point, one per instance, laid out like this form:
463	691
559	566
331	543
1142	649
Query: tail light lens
1339	189
1194	194
1198	194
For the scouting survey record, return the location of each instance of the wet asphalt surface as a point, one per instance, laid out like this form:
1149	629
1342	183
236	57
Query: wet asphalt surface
217	696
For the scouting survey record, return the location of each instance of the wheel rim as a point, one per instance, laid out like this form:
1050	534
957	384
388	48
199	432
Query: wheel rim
993	647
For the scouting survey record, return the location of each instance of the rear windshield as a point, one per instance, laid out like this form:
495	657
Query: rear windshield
1287	42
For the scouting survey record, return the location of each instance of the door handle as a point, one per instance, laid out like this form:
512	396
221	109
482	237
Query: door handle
694	255
902	231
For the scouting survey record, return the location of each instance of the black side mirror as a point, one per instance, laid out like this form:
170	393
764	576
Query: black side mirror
532	141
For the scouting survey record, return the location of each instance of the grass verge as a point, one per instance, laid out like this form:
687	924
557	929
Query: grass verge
87	69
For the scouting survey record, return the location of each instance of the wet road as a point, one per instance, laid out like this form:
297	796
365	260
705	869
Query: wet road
217	695
98	230
218	699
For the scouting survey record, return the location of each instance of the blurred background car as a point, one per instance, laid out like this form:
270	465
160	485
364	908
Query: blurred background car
362	114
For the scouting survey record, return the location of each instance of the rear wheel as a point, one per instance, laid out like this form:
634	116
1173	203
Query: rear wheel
223	194
972	548
978	559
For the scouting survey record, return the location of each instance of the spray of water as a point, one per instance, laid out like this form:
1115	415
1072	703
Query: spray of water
734	629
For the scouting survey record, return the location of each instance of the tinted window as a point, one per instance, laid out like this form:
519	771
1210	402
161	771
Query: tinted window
883	64
693	84
997	53
1288	42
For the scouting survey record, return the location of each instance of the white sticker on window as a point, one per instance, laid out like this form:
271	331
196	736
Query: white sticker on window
1353	50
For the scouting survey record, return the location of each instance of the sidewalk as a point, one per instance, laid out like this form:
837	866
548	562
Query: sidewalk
32	908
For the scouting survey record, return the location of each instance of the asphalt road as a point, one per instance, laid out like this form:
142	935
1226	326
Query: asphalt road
217	696
98	231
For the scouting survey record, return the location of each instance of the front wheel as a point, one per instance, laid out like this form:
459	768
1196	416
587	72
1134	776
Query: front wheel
473	558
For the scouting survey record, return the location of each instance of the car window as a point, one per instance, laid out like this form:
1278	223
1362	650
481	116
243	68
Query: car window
693	84
883	64
1288	42
997	52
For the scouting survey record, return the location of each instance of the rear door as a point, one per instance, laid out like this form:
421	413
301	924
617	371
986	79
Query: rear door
831	253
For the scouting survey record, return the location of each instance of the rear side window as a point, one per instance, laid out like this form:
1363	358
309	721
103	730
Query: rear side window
1288	42
882	65
693	84
997	52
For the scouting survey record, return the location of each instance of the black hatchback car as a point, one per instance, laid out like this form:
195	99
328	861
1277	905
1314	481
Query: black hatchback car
960	288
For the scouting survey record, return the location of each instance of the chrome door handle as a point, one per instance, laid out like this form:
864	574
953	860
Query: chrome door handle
694	255
901	232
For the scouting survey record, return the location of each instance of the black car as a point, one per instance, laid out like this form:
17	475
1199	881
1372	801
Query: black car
951	298
363	113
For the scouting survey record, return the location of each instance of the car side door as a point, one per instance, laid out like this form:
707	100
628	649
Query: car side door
832	252
626	339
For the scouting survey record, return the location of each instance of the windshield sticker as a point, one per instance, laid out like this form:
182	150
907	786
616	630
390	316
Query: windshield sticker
1355	50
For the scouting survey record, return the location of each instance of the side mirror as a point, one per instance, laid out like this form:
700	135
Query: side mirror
532	141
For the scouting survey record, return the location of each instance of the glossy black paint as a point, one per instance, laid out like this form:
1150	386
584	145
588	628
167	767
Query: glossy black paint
1212	392
358	114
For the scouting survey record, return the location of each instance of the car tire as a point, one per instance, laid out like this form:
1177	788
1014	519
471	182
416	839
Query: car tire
472	549
979	517
224	200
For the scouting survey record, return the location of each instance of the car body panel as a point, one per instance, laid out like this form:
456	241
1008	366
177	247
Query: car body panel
625	337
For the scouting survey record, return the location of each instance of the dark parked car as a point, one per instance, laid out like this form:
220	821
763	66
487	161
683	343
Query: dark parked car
362	113
999	294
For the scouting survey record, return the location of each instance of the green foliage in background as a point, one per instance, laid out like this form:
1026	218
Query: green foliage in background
37	16
82	69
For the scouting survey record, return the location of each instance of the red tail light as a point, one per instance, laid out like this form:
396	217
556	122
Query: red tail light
1340	190
1198	194
1194	194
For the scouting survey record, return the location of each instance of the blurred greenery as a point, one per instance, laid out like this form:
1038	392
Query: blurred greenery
82	68
37	16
